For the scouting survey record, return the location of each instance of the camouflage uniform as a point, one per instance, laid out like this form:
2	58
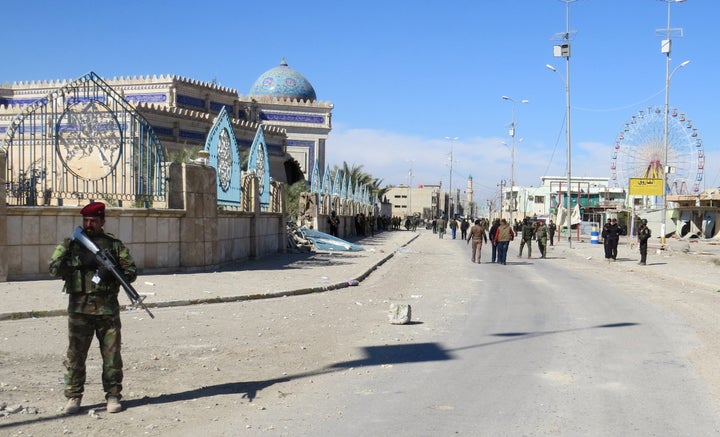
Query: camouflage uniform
93	310
528	232
541	235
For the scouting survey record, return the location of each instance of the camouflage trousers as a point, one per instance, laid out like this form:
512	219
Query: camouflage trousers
523	242
81	329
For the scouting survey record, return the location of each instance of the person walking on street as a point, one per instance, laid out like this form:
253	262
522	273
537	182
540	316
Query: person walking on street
464	226
478	236
334	223
493	243
643	237
613	237
541	234
453	227
441	227
503	236
552	227
93	308
606	242
527	236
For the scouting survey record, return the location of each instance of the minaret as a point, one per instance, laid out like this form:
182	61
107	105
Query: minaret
469	190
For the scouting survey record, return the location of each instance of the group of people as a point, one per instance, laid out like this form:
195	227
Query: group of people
611	237
501	233
94	310
440	225
534	230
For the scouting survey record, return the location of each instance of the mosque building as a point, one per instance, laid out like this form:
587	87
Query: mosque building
181	112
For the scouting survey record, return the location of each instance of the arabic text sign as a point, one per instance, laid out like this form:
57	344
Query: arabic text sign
646	187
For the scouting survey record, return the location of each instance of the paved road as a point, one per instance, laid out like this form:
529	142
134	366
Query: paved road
532	348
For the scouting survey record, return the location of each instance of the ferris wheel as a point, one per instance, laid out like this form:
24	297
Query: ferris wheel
639	151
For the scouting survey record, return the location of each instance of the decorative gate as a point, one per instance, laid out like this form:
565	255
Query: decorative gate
83	141
225	157
258	164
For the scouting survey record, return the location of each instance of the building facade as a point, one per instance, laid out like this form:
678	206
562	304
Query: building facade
592	195
425	201
181	112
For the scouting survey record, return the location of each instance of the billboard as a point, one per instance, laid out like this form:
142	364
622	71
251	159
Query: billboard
646	187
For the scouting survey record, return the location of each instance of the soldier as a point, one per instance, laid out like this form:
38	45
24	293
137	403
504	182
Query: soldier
643	237
528	232
334	222
541	235
441	226
552	227
93	308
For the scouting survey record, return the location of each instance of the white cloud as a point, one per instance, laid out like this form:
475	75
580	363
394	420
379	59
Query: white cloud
390	156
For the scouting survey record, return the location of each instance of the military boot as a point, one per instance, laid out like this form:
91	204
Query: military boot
113	405
72	406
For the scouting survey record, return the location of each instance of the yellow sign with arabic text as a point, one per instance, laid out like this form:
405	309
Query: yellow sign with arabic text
646	187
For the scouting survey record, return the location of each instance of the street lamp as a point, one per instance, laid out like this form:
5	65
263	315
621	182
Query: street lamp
501	185
665	47
563	51
410	175
512	153
450	203
568	147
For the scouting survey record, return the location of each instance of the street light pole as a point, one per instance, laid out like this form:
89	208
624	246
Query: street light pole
450	199
410	177
563	51
512	155
501	185
666	47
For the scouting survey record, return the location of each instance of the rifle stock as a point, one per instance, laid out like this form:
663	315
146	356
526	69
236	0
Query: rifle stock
104	259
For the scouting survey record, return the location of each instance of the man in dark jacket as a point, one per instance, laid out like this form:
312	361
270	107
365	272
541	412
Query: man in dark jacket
643	237
493	243
613	238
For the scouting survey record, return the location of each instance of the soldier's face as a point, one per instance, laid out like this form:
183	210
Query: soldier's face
93	225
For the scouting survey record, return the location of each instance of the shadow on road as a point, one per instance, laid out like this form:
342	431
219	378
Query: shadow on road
373	356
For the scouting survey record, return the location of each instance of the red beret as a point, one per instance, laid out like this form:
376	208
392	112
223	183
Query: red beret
94	209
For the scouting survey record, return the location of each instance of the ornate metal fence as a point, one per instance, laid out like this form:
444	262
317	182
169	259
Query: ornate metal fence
83	141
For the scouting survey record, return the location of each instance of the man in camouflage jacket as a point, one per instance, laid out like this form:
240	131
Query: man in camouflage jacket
93	308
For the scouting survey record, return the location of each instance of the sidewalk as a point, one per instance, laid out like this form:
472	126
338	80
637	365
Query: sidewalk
694	264
277	275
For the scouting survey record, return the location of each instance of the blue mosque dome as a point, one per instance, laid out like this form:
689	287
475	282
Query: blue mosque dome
283	82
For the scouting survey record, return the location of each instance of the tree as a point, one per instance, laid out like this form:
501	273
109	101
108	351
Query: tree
293	171
356	174
292	206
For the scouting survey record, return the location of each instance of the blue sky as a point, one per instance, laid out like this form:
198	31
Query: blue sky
403	75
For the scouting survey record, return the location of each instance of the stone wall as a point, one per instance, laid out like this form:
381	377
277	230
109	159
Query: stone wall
191	235
3	213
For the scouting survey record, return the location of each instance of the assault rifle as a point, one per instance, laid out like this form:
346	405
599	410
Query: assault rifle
106	262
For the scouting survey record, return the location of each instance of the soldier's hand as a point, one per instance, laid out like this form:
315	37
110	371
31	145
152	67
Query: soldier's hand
105	274
87	259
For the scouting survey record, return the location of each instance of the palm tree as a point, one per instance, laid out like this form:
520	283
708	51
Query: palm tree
356	174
